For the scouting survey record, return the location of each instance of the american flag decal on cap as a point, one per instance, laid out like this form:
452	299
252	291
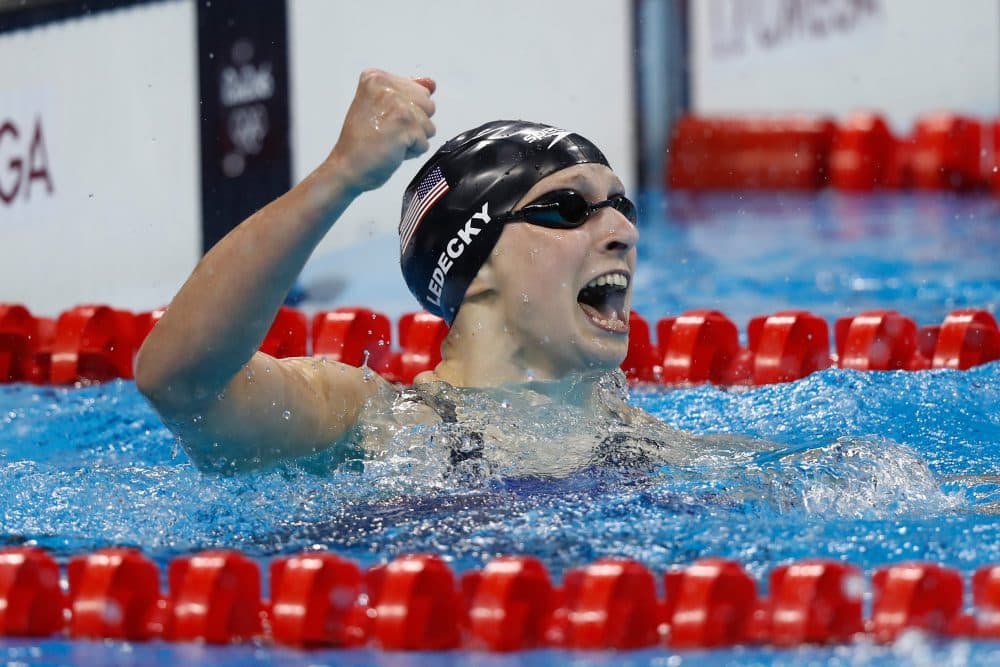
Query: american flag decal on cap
432	188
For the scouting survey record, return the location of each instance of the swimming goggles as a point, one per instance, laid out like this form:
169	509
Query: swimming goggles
566	209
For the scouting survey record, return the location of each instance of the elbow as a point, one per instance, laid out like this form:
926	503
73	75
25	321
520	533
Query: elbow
147	376
152	379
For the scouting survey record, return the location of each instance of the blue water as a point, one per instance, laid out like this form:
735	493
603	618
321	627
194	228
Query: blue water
833	254
871	468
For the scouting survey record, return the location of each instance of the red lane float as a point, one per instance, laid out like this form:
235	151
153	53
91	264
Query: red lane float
641	363
877	340
750	153
787	345
710	603
215	596
114	594
557	627
420	336
287	336
946	152
861	151
967	338
986	598
413	603
699	346
510	605
92	344
900	171
42	353
815	601
31	601
313	598
614	607
417	607
18	340
353	336
923	596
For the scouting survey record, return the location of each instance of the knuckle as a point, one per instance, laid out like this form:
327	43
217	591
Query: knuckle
372	75
397	111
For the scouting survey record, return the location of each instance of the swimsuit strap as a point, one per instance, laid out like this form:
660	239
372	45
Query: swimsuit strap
468	444
622	450
619	450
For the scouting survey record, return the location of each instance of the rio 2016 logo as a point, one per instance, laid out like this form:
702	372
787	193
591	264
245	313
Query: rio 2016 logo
24	161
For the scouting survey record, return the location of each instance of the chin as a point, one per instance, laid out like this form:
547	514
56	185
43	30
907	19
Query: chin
607	357
599	350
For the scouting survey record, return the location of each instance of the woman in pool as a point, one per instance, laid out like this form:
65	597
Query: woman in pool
518	234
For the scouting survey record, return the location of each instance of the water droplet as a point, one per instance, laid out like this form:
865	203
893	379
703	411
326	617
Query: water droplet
366	373
286	415
196	419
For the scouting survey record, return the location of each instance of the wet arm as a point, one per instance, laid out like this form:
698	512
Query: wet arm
199	367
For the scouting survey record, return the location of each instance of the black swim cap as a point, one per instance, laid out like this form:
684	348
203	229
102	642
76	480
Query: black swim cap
445	233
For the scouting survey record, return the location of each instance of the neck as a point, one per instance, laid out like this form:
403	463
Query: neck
481	350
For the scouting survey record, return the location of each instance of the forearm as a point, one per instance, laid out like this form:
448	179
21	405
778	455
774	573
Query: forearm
222	313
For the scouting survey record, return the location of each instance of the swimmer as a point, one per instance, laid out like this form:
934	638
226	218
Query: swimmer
518	234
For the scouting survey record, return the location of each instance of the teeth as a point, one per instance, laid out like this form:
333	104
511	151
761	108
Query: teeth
612	323
614	279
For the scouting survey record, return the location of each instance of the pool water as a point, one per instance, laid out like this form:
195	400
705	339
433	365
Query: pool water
871	468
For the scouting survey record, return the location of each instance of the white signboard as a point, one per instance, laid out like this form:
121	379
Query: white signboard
901	57
99	179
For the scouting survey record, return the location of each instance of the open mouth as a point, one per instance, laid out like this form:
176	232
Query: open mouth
603	300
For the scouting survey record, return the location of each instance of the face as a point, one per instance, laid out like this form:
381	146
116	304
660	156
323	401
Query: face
566	293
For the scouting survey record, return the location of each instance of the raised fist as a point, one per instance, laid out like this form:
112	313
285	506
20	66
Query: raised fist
388	122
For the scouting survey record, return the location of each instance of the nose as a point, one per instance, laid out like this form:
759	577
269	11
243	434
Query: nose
616	233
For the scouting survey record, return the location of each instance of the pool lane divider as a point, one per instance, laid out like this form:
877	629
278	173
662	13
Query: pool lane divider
416	603
944	152
96	343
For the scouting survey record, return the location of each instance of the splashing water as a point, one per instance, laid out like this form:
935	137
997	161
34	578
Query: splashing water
89	467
